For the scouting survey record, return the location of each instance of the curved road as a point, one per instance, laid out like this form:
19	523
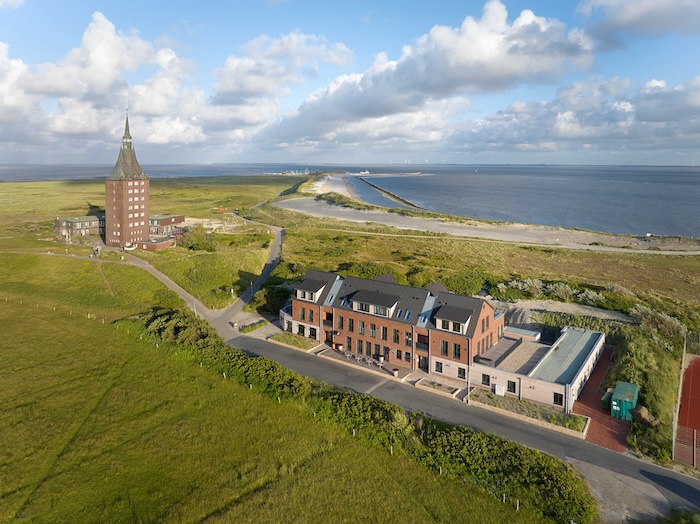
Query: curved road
626	486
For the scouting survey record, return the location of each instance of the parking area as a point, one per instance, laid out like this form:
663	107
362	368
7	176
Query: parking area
604	430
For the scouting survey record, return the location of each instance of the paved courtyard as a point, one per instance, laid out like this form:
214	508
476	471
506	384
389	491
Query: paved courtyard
605	430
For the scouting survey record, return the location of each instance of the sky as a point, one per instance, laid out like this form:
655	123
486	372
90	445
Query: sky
361	82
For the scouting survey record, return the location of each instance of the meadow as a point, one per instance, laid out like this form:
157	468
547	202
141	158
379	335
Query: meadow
100	424
32	283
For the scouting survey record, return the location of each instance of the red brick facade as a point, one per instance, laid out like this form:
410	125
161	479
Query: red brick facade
398	325
126	210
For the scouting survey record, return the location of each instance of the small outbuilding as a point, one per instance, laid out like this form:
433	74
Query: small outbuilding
624	400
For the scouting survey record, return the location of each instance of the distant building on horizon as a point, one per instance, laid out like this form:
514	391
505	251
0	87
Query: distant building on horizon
126	198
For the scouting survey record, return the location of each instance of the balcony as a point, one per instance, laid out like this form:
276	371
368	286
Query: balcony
328	323
423	346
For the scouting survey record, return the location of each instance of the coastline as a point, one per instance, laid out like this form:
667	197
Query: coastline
391	196
473	227
530	234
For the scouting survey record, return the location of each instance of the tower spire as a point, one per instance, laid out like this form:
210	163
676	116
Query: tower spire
126	139
126	127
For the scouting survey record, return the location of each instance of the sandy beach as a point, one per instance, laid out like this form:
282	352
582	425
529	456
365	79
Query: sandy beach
507	232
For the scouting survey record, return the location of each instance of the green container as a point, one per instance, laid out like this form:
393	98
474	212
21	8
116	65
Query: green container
624	400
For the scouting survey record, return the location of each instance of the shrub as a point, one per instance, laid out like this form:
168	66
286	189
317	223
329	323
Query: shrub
252	327
196	239
540	482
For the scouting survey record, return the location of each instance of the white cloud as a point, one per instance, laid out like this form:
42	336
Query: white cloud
480	56
606	116
270	65
15	104
11	4
652	17
96	68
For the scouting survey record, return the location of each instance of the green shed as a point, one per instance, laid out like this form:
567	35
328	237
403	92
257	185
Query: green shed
624	400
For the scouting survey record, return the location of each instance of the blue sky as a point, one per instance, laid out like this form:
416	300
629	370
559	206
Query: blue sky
498	81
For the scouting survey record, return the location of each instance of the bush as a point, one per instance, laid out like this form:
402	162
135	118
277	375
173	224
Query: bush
197	240
540	482
252	327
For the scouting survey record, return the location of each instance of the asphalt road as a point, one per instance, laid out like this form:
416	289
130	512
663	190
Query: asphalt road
680	491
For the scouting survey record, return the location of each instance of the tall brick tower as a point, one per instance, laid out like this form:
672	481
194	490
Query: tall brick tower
126	198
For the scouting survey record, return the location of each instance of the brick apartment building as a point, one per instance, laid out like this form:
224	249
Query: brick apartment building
126	198
67	229
429	329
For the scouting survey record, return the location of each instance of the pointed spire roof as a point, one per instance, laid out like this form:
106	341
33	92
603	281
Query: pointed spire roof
127	166
126	128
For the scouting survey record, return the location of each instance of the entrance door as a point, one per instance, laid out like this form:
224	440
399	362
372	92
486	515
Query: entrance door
423	363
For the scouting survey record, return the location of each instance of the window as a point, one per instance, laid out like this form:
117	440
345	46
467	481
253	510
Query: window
438	367
380	310
461	373
300	330
456	327
483	325
558	399
302	313
445	324
302	294
456	351
348	343
485	379
340	322
362	327
408	339
443	348
351	324
377	349
400	313
408	315
363	307
368	348
312	333
385	333
359	347
372	330
311	315
407	356
511	386
399	356
311	297
396	336
487	322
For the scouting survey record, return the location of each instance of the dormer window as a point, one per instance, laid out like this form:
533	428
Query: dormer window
306	295
456	327
381	311
445	324
361	306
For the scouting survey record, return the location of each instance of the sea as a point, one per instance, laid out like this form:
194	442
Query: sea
636	200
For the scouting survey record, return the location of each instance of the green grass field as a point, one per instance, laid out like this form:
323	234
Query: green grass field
100	425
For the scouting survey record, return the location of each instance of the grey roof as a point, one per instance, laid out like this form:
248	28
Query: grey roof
161	216
127	167
562	363
409	300
89	218
460	308
375	297
453	313
314	280
311	285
